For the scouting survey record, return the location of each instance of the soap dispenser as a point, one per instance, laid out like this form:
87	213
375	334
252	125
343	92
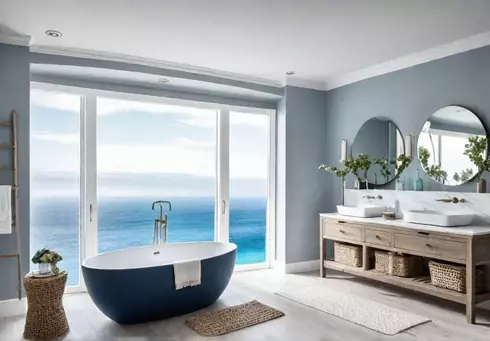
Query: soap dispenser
419	183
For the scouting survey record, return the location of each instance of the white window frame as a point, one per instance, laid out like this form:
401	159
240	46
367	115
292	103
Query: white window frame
88	175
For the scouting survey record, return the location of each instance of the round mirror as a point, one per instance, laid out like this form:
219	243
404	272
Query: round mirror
441	145
381	141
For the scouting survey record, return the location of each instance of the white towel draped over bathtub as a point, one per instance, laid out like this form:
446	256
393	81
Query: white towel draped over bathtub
5	210
187	273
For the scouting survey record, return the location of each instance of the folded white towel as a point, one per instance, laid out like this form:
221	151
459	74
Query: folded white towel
187	273
5	209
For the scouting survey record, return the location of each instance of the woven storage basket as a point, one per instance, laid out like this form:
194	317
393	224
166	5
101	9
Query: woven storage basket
396	264
381	261
348	254
454	277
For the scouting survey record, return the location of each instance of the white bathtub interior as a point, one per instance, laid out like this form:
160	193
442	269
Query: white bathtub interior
145	257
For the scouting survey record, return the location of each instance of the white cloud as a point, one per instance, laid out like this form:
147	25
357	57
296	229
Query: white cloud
176	159
155	159
63	138
52	100
192	144
107	106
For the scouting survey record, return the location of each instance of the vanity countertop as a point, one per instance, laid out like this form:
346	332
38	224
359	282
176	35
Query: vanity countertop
469	230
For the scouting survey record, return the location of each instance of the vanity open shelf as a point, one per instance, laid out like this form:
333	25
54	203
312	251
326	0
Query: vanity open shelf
420	284
467	246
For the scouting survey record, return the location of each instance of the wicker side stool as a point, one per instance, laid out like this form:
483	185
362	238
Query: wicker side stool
46	317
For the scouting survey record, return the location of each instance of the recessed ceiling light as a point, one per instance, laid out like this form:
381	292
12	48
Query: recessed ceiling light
163	80
53	33
290	73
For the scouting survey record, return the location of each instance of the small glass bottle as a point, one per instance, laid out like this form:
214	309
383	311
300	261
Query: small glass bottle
419	183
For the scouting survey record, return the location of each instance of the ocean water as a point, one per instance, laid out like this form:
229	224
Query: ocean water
128	222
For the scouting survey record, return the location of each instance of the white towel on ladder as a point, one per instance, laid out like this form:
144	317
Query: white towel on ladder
187	273
5	209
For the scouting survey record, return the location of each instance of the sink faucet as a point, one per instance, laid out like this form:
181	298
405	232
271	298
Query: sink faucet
161	223
453	200
379	197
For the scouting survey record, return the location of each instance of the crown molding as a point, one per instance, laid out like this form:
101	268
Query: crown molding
422	57
305	83
15	39
123	58
329	83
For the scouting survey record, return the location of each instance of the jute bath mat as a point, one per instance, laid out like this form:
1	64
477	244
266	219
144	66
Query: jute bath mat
232	319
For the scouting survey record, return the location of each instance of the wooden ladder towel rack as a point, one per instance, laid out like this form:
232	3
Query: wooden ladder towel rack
15	218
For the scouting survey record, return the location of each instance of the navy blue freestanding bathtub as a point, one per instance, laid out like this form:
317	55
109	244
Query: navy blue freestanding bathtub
137	285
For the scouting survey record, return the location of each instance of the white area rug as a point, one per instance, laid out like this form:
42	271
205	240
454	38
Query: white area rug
370	314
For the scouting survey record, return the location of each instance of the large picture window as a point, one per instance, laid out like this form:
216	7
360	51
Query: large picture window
99	161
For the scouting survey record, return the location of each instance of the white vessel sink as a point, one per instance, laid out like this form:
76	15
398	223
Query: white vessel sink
438	218
361	211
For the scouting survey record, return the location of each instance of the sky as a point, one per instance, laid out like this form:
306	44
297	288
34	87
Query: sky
144	148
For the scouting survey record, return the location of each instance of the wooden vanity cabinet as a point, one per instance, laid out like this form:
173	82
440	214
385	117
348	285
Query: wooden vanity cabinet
468	250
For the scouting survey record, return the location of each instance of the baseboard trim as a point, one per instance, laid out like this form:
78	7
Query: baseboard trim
13	307
279	266
311	265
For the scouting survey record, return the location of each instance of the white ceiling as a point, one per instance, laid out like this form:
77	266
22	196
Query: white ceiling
262	39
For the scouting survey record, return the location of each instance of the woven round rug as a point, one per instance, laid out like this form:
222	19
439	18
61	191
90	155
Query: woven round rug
232	319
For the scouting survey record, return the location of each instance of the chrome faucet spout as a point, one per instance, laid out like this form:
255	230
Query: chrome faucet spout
161	223
454	200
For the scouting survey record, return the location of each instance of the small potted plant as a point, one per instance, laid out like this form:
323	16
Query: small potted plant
475	150
47	261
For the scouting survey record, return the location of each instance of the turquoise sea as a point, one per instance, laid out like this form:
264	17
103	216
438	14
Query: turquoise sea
128	222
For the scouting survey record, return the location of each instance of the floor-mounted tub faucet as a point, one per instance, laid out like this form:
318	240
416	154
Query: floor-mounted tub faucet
161	223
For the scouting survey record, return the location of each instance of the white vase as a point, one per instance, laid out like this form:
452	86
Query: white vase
399	185
44	268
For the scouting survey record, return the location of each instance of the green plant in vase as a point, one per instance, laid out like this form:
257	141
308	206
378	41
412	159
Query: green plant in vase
475	150
400	164
353	168
361	163
341	173
384	165
49	258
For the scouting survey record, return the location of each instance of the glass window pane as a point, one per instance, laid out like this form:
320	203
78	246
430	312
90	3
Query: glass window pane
249	150
148	152
55	175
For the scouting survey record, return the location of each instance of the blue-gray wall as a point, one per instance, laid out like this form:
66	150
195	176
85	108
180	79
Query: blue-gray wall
14	94
301	187
408	97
